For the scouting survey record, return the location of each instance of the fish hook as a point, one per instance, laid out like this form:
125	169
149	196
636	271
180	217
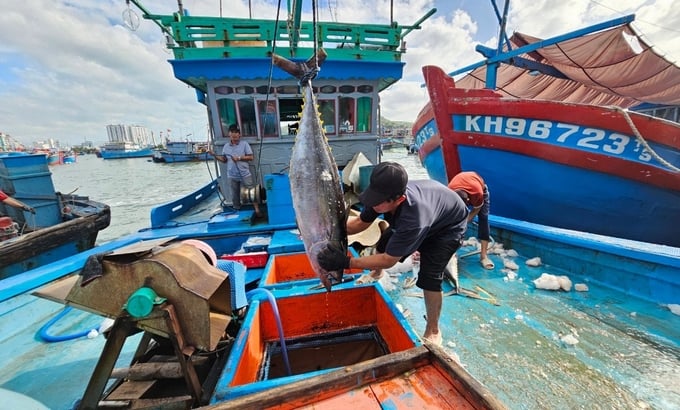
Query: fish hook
308	74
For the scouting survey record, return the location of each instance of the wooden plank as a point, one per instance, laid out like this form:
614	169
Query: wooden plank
154	370
168	403
423	388
471	388
308	391
58	290
131	390
361	398
24	247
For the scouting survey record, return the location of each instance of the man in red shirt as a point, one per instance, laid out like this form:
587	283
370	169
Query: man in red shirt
474	192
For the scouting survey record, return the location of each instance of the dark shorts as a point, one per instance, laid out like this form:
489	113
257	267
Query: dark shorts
483	218
434	255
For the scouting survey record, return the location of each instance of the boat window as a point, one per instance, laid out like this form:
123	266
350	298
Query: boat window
268	119
287	89
263	90
327	111
226	109
223	89
244	89
365	89
346	89
328	89
289	115
364	108
347	116
246	111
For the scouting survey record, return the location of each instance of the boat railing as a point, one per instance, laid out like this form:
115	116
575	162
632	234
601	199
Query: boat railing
196	37
166	212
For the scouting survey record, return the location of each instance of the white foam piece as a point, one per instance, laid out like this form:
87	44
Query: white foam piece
674	308
401	267
581	287
534	262
547	281
386	282
496	248
565	283
472	241
569	339
510	264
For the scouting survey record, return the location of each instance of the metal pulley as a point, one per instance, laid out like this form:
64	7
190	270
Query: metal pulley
253	195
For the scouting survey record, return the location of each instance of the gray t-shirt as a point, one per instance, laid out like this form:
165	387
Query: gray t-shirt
237	150
431	211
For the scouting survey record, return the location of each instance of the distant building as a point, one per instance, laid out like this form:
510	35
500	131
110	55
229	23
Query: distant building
87	144
134	134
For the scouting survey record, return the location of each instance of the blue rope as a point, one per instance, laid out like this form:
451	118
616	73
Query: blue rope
45	336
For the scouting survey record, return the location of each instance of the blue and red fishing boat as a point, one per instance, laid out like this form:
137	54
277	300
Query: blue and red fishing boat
559	140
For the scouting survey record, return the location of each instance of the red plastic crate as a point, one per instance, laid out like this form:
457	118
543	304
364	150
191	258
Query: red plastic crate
251	260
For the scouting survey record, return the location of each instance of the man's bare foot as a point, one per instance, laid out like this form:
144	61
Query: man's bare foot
435	339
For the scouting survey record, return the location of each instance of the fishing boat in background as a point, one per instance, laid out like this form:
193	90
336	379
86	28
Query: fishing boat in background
210	306
182	151
118	150
63	224
127	141
69	157
559	140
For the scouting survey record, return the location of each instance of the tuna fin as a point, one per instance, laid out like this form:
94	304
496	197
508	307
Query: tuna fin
298	70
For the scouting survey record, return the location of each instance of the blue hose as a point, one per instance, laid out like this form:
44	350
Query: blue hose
52	339
275	309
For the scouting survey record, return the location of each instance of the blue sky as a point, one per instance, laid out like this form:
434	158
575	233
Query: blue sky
70	67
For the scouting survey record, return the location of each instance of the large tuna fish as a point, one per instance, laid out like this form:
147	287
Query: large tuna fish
315	183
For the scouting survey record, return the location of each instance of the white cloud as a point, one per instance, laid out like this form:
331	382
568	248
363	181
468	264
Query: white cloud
69	67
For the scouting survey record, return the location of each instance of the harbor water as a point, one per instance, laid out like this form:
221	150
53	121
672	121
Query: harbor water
131	187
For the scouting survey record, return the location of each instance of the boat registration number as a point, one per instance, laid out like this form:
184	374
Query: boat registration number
557	133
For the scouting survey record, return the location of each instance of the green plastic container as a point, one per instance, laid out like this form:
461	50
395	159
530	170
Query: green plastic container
141	302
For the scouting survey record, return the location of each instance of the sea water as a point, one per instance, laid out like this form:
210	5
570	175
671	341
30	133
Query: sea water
132	186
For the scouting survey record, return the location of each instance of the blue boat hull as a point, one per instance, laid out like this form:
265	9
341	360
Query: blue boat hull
569	197
146	152
169	157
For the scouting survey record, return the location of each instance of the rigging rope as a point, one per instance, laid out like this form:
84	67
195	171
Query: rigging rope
269	88
310	74
642	140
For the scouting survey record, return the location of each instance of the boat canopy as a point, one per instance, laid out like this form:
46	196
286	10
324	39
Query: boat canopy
610	67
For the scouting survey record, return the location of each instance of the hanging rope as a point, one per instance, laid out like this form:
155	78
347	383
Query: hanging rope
642	140
310	73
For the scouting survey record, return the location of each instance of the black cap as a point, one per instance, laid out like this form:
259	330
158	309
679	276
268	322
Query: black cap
388	180
234	128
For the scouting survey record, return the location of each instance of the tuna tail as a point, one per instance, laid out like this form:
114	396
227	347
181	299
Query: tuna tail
451	271
299	70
